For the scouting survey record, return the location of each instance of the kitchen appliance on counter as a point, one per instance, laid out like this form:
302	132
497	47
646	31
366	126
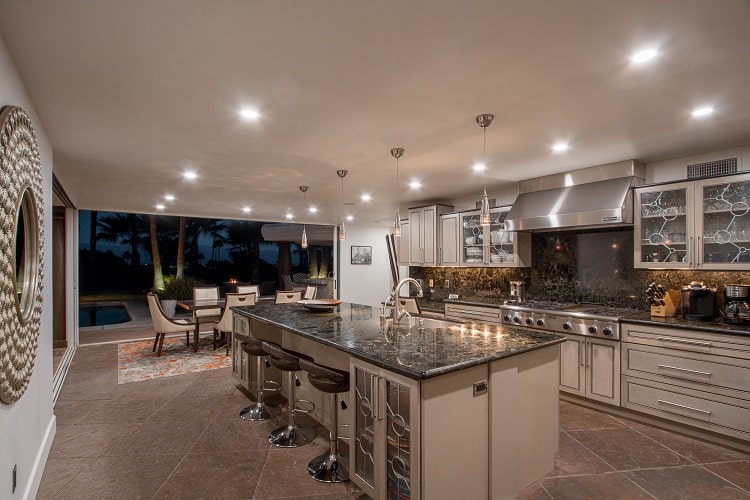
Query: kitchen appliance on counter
595	320
517	291
737	304
698	301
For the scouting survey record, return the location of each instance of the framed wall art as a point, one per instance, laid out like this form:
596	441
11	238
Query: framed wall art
361	255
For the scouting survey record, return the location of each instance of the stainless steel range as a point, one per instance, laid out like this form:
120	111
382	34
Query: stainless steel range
581	319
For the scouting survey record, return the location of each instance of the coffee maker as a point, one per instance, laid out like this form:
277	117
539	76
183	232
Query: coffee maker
517	291
698	301
737	304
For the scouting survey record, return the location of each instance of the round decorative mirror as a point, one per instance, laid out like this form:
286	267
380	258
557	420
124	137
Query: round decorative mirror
26	255
21	251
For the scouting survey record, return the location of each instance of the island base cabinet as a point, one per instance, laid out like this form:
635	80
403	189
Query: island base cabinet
420	440
384	460
524	419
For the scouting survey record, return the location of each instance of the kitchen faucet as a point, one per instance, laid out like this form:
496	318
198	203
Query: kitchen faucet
393	298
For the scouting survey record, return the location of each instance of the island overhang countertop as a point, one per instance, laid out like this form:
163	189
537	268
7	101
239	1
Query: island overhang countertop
413	351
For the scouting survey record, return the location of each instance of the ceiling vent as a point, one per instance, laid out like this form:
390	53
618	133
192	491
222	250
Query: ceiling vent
714	168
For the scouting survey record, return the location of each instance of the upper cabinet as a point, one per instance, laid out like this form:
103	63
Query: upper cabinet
702	224
493	245
424	234
402	243
449	234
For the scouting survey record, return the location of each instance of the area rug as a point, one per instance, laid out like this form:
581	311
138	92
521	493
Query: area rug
136	362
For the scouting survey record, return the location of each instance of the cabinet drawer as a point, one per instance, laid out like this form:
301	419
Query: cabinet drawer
736	346
717	371
473	313
685	406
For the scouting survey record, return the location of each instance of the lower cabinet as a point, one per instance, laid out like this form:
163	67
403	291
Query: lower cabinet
385	458
695	378
590	367
240	359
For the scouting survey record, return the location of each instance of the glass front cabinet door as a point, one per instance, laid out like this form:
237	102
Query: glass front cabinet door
384	459
493	245
701	224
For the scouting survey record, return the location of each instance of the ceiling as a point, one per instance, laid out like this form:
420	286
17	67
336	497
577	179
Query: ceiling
133	93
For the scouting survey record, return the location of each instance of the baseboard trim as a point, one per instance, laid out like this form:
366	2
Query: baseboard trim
40	461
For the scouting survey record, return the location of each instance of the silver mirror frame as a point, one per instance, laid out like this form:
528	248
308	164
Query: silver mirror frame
21	198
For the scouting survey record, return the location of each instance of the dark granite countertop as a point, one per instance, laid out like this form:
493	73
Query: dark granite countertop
718	326
413	352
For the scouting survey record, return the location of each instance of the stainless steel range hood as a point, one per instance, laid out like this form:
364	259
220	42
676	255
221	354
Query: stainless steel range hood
588	198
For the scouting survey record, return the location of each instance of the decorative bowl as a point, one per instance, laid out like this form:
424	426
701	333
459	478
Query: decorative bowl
318	305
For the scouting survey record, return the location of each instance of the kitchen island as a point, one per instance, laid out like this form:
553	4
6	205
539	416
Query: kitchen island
441	409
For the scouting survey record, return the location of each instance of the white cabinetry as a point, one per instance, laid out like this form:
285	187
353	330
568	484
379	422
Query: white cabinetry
424	234
590	367
403	244
701	224
493	245
449	247
479	314
240	359
385	456
696	378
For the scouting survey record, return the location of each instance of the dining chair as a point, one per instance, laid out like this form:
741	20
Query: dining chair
248	289
310	293
163	324
285	297
225	324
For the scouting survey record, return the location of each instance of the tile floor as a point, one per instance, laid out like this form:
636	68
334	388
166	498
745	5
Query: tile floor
181	438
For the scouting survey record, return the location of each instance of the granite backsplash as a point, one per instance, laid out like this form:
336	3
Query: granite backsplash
571	266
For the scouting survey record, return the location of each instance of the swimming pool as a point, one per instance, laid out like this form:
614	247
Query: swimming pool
98	314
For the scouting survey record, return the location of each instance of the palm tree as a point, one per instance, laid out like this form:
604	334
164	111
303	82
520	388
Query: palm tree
181	249
92	231
217	230
243	239
126	229
155	258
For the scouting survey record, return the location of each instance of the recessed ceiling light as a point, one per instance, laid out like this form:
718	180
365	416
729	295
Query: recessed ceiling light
289	216
169	197
702	112
366	197
560	147
190	175
350	217
479	167
159	206
246	210
415	184
250	114
644	55
313	210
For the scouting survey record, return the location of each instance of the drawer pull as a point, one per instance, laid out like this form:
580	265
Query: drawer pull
703	374
697	410
685	341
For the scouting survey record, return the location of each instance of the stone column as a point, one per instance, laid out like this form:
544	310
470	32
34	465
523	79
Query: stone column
285	263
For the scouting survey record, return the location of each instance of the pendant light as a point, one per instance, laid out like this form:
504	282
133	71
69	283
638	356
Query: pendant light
342	229
303	244
397	153
484	121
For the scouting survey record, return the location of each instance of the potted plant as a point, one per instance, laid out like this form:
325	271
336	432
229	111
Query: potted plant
174	290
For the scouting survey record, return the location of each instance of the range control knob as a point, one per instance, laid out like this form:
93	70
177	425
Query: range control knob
567	325
607	330
506	317
529	321
517	319
540	322
593	329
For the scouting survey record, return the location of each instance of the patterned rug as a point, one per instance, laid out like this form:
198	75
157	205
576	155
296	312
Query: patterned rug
136	362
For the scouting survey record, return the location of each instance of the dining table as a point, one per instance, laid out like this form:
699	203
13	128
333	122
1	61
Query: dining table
195	305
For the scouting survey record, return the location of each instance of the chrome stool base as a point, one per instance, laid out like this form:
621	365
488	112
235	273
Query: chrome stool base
290	436
258	412
327	468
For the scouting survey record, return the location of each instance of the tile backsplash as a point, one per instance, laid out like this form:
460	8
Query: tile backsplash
572	266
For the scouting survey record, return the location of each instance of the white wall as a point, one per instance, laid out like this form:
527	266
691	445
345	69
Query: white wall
27	427
676	169
365	284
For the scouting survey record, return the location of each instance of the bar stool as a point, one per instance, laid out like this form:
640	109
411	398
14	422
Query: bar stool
259	410
326	467
291	435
